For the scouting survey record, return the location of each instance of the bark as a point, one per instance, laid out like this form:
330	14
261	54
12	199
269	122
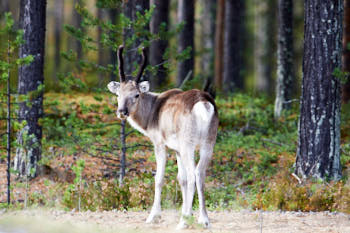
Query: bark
285	71
113	15
346	51
32	20
59	9
219	43
319	127
233	49
158	47
185	13
207	22
265	44
77	22
100	55
5	7
132	57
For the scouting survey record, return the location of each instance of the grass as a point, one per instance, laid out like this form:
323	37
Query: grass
252	164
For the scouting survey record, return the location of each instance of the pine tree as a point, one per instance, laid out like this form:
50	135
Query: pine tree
318	152
185	13
285	70
233	49
159	21
30	81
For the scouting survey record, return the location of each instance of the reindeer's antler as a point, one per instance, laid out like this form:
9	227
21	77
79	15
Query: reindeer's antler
143	66
121	63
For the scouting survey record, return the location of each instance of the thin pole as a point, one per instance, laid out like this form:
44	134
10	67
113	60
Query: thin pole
8	126
122	165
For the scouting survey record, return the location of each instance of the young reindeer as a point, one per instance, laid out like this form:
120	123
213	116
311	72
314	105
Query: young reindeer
180	120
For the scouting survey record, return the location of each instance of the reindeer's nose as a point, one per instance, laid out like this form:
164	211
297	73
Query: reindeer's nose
122	113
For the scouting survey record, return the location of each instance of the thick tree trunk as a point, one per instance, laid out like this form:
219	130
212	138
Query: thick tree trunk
185	13
265	45
59	10
158	47
346	51
219	43
32	20
207	22
319	127
233	49
285	69
132	57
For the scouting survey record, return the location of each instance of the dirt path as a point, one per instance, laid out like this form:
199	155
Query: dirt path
48	221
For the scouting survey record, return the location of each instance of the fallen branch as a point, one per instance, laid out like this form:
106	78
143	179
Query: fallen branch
297	178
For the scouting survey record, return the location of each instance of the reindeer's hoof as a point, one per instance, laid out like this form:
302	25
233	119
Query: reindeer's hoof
182	225
204	221
153	218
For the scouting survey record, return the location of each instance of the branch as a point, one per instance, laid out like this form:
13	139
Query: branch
138	145
186	79
273	142
297	178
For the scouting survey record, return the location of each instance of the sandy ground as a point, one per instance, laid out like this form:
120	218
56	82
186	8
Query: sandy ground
52	221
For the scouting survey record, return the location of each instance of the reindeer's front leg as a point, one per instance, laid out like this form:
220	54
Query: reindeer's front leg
159	181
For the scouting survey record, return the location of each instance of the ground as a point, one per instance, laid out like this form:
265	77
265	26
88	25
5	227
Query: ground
49	221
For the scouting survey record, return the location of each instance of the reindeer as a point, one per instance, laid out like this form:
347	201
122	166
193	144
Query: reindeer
181	120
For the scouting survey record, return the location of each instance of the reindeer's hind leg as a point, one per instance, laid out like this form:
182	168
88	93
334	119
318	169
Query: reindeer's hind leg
206	151
187	158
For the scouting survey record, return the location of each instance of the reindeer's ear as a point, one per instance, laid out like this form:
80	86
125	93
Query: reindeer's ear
114	87
144	86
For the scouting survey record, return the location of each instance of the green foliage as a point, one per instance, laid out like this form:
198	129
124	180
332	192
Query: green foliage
343	76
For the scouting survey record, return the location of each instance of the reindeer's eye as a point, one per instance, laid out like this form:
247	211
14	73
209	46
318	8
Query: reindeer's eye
137	96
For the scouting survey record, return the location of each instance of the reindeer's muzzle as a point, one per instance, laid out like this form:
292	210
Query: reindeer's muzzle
122	113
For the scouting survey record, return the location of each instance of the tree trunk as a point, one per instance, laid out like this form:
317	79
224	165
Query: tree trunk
32	20
233	49
219	43
207	22
77	22
265	44
319	127
59	10
158	47
100	53
346	51
131	56
285	71
185	13
5	7
113	14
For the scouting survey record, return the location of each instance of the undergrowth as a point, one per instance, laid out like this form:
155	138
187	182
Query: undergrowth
252	165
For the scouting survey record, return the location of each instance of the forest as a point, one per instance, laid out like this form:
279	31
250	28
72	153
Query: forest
277	69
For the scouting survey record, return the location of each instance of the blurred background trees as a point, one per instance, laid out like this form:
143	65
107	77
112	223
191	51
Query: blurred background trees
244	46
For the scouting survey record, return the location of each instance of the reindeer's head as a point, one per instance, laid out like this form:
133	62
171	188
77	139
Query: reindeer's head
129	92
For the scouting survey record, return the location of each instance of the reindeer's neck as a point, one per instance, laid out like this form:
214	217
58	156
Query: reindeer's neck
142	116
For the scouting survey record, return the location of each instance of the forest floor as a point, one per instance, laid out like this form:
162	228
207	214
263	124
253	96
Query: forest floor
49	221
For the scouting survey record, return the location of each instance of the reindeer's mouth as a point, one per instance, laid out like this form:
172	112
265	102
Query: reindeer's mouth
122	116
